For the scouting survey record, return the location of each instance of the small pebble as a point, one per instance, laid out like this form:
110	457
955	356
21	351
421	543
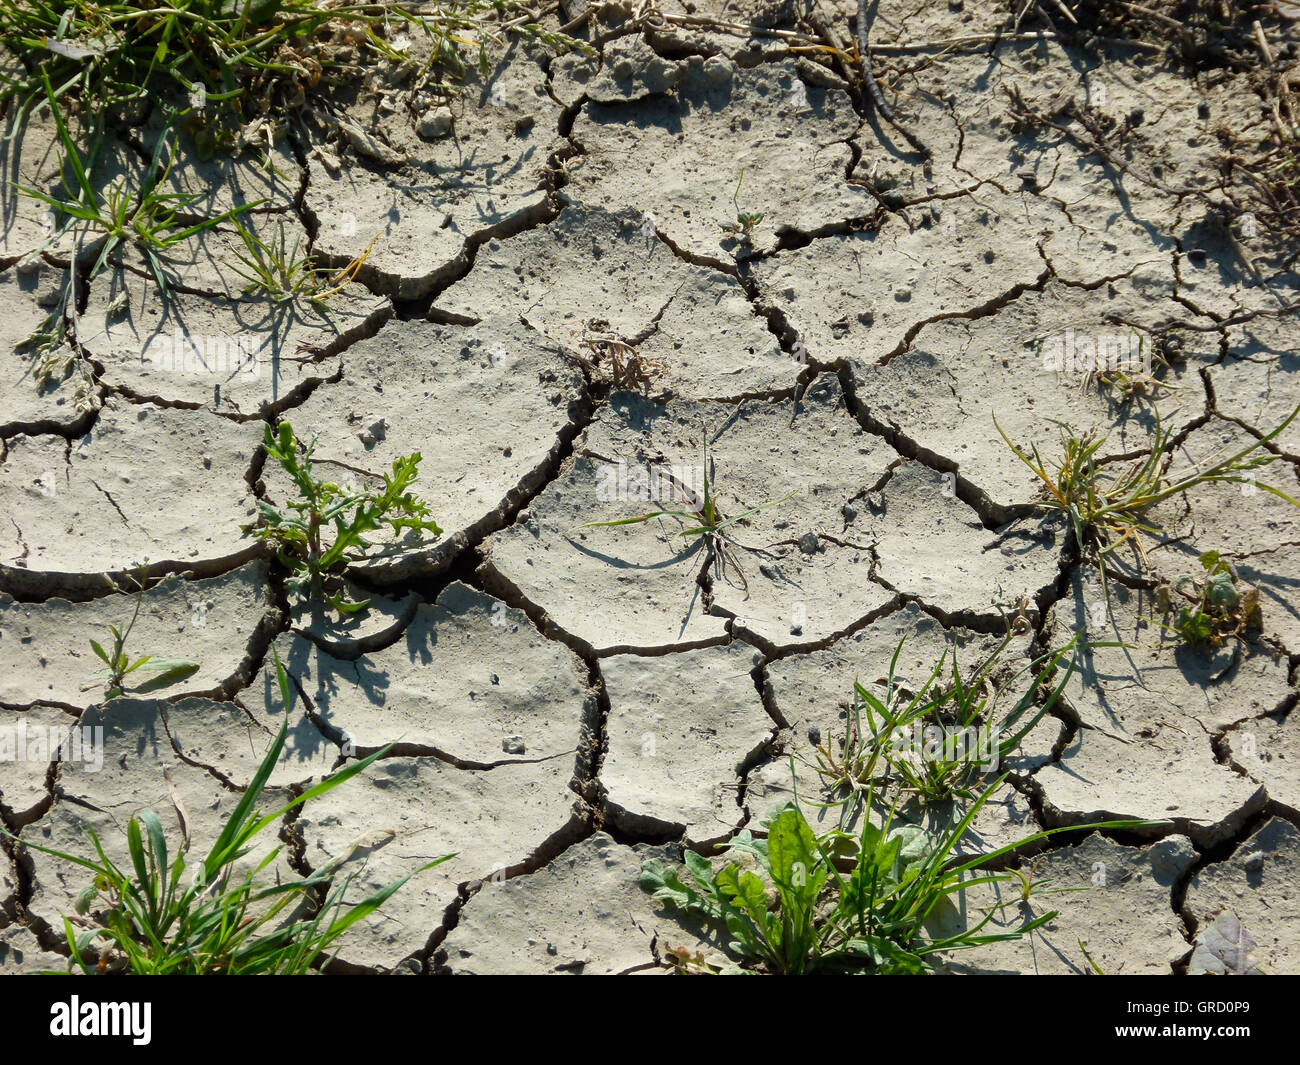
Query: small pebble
717	71
1171	856
373	433
436	122
808	543
1254	863
513	745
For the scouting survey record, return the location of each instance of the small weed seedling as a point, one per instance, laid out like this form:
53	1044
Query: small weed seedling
301	536
148	920
53	359
1132	382
707	522
1029	885
936	742
746	222
147	218
287	274
118	663
1213	608
276	270
1093	968
1106	510
795	902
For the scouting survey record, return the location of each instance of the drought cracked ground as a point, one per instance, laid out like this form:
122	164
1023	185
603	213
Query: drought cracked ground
562	310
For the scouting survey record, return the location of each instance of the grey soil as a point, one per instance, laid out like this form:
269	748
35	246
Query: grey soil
566	701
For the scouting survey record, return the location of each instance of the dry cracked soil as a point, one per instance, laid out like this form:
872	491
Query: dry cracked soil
597	279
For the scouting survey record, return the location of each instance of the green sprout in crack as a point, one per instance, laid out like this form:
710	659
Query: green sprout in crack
55	359
161	914
325	528
1127	383
102	58
959	731
149	219
281	272
1106	509
287	274
746	221
1124	368
118	664
706	521
1211	609
886	899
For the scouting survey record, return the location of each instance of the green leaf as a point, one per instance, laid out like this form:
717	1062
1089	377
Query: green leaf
1221	592
796	867
281	680
343	606
84	898
166	672
664	883
746	889
790	845
700	868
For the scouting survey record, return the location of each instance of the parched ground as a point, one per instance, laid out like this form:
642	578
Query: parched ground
558	314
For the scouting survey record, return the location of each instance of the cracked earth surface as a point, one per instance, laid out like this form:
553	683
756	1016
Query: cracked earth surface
565	702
